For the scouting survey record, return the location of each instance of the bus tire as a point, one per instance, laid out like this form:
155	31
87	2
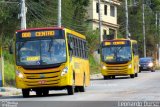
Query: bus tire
152	70
81	88
25	93
136	74
76	89
45	92
132	75
39	93
113	76
70	90
106	77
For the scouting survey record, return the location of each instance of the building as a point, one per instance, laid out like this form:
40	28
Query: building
108	9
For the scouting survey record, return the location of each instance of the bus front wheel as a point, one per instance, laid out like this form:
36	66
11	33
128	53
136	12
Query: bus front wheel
132	75
45	92
113	76
39	93
25	93
70	90
106	77
136	74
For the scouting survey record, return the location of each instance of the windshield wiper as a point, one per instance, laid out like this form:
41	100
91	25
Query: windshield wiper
21	45
50	45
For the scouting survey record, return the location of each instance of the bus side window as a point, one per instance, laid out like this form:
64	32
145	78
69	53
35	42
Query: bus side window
70	44
135	49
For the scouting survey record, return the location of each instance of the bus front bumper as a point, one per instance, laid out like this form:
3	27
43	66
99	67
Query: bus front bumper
116	71
23	83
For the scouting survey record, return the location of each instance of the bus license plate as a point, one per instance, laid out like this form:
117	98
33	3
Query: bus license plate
144	67
42	82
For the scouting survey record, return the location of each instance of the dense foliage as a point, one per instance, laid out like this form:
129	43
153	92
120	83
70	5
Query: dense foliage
152	7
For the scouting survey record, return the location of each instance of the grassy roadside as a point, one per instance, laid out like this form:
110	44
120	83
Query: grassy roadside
94	66
9	74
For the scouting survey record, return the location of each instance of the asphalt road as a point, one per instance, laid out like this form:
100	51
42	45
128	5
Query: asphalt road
145	87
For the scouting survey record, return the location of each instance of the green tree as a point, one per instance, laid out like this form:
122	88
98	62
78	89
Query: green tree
135	23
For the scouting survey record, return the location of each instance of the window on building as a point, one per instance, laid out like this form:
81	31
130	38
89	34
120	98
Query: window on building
112	32
112	11
105	9
97	29
97	7
104	32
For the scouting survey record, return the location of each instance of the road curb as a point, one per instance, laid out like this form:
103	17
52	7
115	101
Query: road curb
2	89
96	76
9	91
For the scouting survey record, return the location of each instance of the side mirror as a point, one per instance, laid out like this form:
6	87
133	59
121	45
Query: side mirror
133	52
98	51
71	47
10	49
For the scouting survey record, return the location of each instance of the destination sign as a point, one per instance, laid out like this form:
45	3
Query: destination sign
40	34
119	43
107	43
37	34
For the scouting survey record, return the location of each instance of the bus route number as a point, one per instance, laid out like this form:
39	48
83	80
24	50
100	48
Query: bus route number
26	35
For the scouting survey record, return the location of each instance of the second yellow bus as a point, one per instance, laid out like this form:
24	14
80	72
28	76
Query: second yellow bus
119	57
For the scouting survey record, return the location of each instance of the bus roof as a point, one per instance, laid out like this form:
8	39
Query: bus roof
119	39
76	33
45	28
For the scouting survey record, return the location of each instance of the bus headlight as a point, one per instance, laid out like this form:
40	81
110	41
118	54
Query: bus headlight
104	67
130	66
64	71
150	64
19	74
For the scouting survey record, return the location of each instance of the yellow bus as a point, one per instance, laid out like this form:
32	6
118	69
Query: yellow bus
51	59
119	57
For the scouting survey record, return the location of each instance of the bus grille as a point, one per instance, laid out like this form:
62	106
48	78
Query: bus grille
35	79
117	70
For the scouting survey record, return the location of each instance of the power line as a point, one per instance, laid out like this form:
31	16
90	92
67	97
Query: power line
9	2
38	16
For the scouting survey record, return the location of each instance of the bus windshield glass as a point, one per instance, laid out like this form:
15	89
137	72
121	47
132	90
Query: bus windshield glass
40	51
116	53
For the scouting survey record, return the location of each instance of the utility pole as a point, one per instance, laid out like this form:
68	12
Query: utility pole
100	22
59	13
157	35
1	66
144	32
126	10
23	14
156	21
158	16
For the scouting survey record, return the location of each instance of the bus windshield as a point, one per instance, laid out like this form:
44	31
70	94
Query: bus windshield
41	52
116	54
